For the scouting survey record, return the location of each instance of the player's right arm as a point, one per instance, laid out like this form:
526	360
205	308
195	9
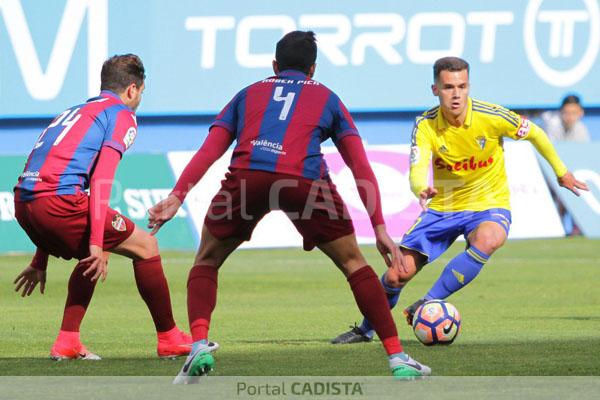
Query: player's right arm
220	136
420	158
33	274
216	144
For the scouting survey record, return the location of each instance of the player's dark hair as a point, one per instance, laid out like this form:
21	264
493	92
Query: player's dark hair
120	71
571	99
296	50
453	64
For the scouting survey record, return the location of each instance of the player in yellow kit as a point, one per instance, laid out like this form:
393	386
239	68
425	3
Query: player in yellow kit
462	140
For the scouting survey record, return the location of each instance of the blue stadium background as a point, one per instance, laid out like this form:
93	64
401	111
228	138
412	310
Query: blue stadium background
376	55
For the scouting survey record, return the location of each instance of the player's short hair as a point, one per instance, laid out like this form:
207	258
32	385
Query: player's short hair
120	71
296	50
453	64
571	99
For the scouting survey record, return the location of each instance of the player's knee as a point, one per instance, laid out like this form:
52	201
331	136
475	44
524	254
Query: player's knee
349	257
488	241
153	243
403	278
209	256
149	246
398	278
394	281
353	261
351	254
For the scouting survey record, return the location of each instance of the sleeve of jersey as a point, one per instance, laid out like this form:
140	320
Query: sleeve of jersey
420	158
100	188
542	144
354	155
122	132
520	128
216	144
343	124
227	118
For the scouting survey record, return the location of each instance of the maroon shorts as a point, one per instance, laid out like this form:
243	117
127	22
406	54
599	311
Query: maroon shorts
314	206
59	225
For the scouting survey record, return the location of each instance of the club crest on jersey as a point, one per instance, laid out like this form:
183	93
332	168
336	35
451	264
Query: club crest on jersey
481	140
130	137
523	128
119	223
415	155
443	149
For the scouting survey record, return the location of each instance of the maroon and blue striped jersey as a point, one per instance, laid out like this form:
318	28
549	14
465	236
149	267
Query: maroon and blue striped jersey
64	156
280	122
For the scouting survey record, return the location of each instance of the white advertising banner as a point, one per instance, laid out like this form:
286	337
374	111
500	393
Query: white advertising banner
533	211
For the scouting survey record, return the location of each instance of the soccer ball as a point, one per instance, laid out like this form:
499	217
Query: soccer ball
436	322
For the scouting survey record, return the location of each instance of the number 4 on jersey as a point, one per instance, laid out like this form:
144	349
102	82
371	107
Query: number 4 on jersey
287	101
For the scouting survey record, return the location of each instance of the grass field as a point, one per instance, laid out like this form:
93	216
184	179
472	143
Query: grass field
535	310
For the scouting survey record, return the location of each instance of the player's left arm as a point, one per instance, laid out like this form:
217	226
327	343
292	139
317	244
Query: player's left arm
529	131
353	153
348	142
100	188
119	136
345	137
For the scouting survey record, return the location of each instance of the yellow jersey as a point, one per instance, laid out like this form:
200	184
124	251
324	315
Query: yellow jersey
468	161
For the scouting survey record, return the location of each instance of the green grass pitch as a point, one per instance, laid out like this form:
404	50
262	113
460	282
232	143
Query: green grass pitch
534	310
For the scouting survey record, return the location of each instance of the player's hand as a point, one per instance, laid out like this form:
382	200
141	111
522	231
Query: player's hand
97	264
106	256
568	181
162	212
28	280
387	247
425	195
